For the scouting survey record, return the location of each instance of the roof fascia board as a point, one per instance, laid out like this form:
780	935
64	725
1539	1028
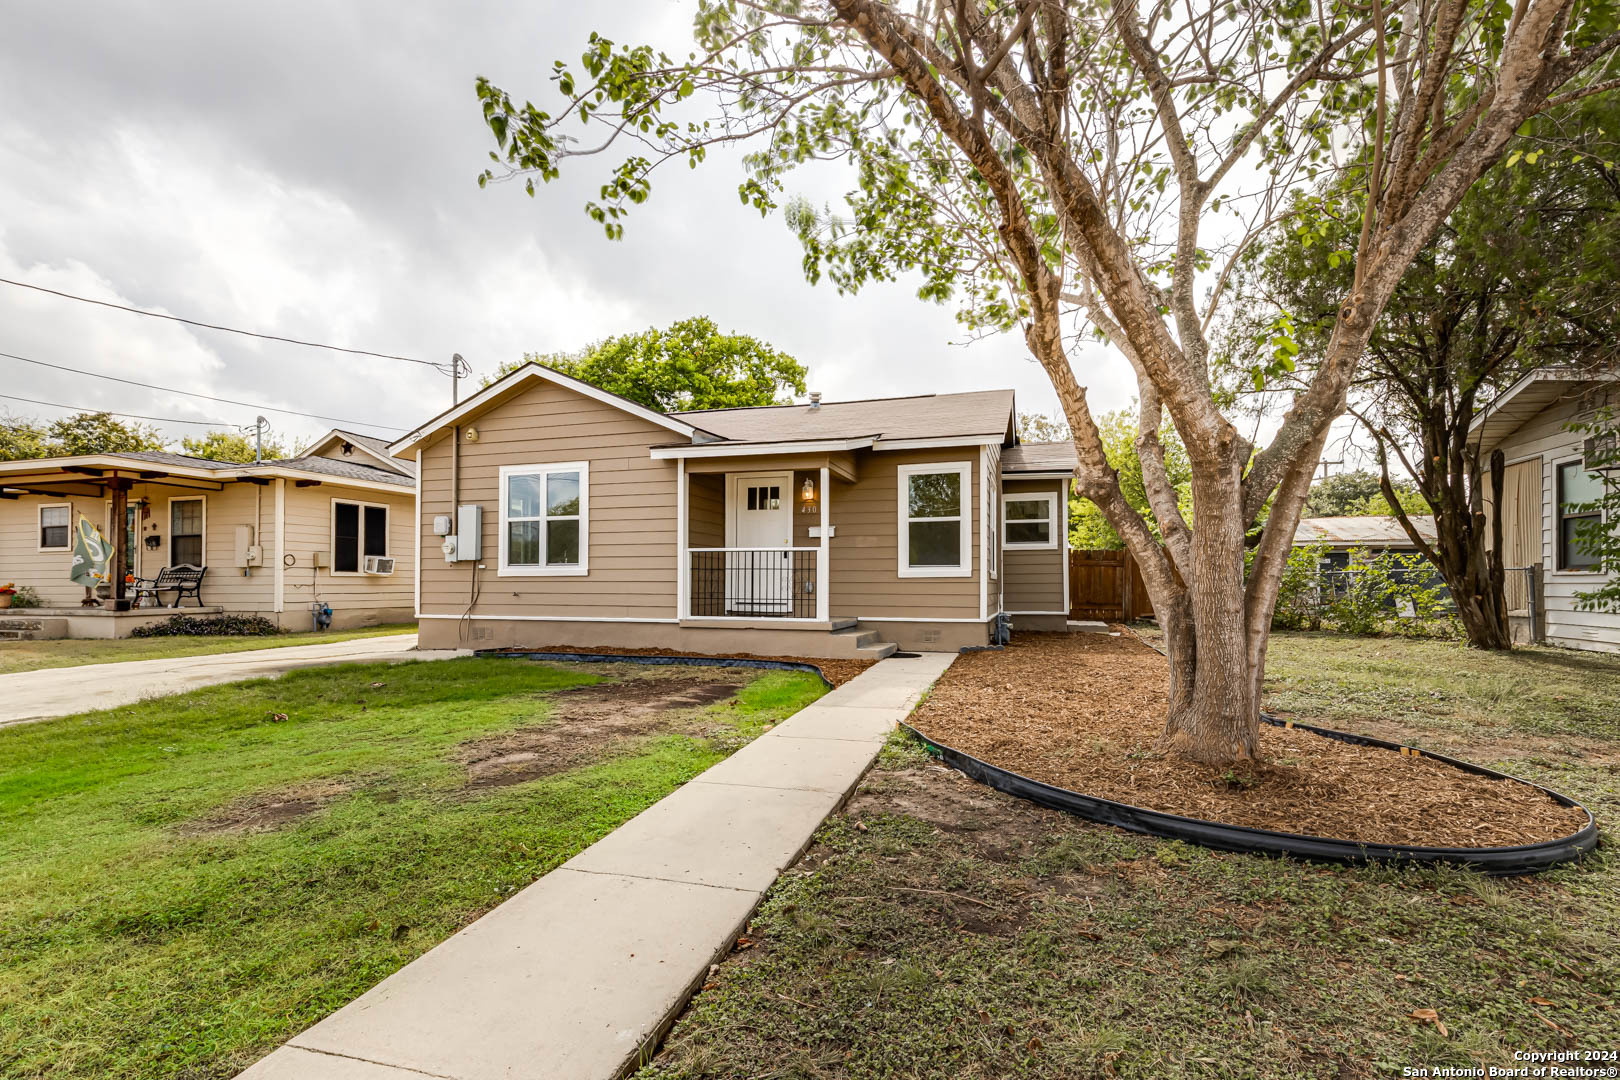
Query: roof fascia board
942	441
114	462
724	449
511	380
325	479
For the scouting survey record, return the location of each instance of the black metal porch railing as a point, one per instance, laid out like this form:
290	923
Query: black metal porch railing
744	582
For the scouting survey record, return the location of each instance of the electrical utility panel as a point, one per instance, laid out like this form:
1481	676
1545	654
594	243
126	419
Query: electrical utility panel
469	533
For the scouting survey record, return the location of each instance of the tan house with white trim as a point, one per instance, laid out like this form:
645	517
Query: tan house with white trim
552	513
333	527
1543	494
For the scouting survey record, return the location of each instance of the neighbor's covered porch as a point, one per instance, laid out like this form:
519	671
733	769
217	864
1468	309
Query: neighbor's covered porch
755	533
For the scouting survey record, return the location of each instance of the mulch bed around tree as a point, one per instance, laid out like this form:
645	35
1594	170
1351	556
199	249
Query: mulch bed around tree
1083	712
838	670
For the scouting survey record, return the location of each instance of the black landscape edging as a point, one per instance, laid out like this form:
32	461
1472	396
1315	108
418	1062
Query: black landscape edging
665	661
1521	859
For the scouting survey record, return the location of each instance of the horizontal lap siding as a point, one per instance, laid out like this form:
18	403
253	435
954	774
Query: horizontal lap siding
309	529
224	585
631	510
865	578
1543	436
1035	577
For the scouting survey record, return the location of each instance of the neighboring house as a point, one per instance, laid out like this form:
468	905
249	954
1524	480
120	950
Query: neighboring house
1373	533
1546	479
552	513
332	526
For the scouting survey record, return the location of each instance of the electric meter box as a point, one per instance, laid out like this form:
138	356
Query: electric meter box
469	532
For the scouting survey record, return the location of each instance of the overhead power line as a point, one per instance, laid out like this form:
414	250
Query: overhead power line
128	415
206	397
443	368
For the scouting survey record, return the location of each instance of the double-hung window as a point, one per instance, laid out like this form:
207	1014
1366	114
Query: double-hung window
1031	521
358	529
936	539
187	524
1578	490
545	516
55	527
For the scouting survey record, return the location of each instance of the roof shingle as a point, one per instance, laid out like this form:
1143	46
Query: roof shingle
929	416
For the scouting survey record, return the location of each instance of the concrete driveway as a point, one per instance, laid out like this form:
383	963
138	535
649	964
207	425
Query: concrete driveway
37	695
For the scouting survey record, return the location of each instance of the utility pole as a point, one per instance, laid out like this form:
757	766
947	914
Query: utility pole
259	424
457	364
1323	464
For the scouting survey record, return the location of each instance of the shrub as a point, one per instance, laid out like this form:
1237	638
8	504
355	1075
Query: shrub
211	626
1391	593
25	597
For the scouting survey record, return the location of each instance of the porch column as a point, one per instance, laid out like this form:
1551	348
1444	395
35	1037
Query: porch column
119	565
683	560
823	570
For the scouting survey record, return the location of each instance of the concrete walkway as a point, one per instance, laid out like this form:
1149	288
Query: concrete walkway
36	695
577	975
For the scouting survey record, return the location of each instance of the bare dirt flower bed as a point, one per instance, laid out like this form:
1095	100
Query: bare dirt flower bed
837	670
1083	712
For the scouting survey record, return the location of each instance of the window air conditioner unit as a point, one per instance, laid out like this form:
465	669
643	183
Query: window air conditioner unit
378	564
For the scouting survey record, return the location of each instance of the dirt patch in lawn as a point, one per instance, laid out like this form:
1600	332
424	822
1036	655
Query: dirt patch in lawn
837	670
269	809
1083	712
588	723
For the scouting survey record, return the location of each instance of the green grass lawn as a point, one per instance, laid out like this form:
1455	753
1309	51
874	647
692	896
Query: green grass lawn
941	929
71	652
145	933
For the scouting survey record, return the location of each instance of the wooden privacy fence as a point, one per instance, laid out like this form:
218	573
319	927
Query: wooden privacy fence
1106	585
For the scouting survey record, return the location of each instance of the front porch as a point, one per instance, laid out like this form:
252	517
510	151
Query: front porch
52	623
755	538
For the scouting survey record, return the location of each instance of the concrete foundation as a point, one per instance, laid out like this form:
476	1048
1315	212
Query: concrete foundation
762	638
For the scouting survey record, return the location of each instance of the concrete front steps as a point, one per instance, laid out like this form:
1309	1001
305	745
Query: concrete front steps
863	644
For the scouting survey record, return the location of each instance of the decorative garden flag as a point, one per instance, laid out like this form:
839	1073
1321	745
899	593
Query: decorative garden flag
91	554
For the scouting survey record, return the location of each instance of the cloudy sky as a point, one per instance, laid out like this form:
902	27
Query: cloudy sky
308	170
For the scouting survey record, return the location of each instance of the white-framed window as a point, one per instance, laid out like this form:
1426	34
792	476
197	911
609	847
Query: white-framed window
1030	520
188	531
936	534
358	529
55	527
1576	490
545	519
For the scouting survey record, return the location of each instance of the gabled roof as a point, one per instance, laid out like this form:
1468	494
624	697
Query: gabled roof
1510	409
1371	530
1040	457
373	449
520	377
979	416
157	464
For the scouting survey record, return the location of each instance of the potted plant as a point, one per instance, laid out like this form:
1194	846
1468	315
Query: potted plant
7	591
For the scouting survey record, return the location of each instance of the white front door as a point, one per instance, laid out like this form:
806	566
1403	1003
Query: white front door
759	571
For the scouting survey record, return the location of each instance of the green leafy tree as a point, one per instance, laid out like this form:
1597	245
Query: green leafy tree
231	446
1088	525
690	365
1600	535
99	433
1040	428
21	438
1042	163
1359	494
1520	275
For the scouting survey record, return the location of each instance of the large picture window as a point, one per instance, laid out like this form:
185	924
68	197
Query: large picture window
187	525
1031	521
935	535
55	527
1576	488
545	518
358	529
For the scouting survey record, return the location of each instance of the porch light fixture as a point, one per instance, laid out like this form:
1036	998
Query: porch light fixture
807	497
